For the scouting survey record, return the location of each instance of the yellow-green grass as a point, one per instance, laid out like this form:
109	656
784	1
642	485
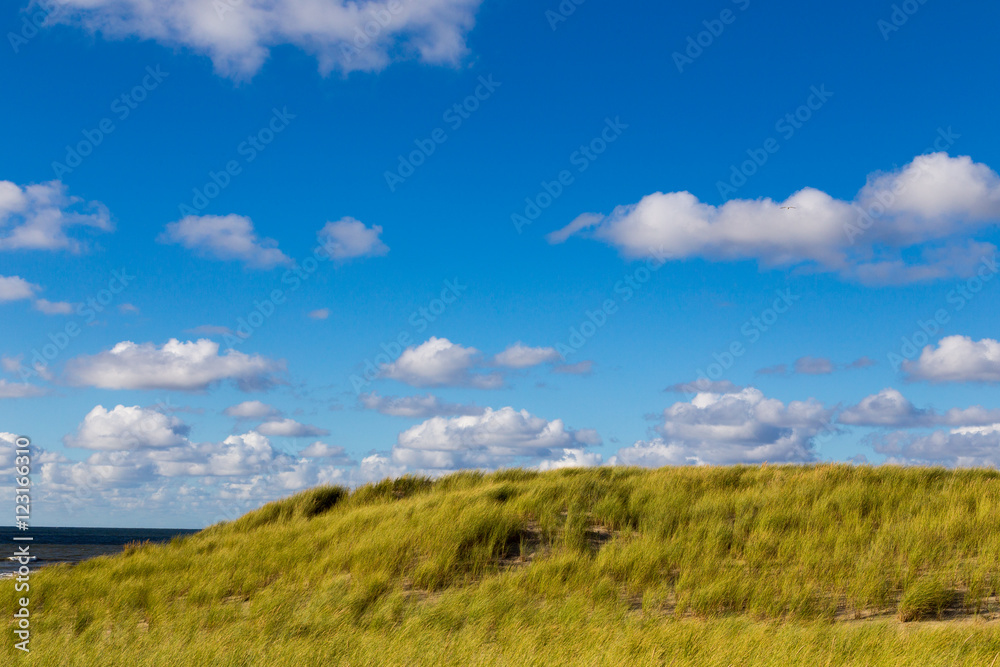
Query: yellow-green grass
784	565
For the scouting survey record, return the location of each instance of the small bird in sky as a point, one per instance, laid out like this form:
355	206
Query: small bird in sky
787	207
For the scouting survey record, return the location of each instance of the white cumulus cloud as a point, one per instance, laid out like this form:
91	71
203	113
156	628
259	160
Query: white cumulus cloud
184	366
124	428
321	450
572	458
15	288
38	217
930	207
348	238
247	454
438	362
729	428
889	408
492	439
238	36
957	359
963	447
225	237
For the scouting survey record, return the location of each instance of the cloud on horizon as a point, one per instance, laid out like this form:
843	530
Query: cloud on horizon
729	428
889	408
493	439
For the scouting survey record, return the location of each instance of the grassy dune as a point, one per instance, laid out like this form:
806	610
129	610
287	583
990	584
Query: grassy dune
819	565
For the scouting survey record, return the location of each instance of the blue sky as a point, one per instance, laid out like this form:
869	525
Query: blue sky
625	165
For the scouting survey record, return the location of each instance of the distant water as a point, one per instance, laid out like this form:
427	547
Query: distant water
72	545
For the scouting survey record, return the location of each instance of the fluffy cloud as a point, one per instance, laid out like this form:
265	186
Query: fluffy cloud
187	366
8	442
930	207
289	428
437	363
957	359
238	36
111	472
54	307
572	458
739	427
226	237
419	407
321	450
37	217
15	288
128	428
495	438
965	447
890	408
221	479
134	445
886	408
348	238
250	410
519	355
247	454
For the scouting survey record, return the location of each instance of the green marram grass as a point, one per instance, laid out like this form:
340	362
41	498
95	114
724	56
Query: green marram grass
782	565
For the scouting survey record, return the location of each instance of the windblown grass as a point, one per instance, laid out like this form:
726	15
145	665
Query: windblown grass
718	565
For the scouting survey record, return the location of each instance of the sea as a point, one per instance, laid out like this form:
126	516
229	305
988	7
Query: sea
72	545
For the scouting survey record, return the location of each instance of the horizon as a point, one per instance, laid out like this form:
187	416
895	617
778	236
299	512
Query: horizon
249	251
